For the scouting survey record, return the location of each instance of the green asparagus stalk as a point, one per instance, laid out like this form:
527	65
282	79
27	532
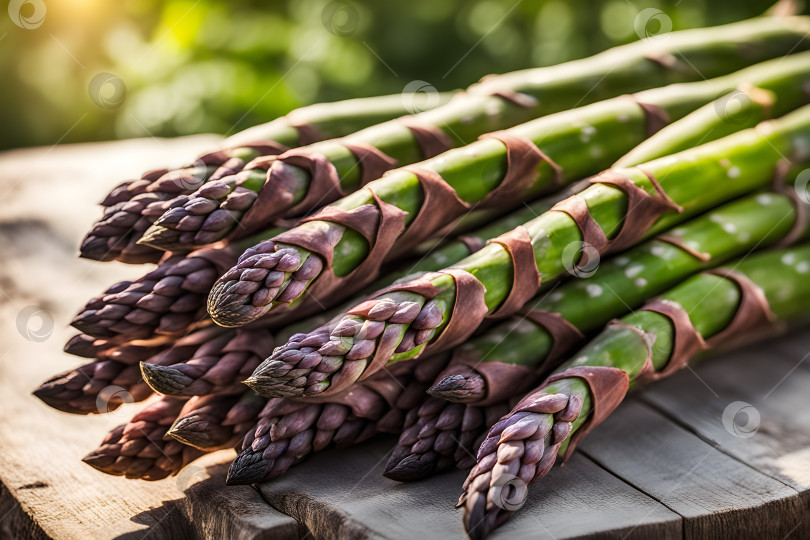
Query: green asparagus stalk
411	317
496	103
435	440
579	142
645	345
132	206
742	108
620	283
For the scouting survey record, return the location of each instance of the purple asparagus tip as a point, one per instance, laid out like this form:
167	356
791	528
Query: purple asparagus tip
164	380
226	308
46	394
460	388
335	356
97	249
249	467
411	467
477	522
205	216
200	431
101	461
113	237
164	239
269	386
265	275
86	346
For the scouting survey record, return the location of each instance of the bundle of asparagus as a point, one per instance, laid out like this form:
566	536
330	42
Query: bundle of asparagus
693	175
620	208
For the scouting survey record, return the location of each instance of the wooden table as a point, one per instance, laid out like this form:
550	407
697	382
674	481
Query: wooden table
663	466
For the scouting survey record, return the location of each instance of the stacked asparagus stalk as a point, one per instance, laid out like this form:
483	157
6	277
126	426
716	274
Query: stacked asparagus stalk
295	305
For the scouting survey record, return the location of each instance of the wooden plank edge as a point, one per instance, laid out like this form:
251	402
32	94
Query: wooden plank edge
761	521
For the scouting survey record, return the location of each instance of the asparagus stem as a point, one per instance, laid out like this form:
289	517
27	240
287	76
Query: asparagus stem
621	283
399	325
684	56
276	275
525	442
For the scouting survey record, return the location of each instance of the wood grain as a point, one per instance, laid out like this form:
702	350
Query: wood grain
717	495
343	494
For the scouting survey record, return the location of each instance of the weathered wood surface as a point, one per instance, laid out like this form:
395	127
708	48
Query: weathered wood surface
664	466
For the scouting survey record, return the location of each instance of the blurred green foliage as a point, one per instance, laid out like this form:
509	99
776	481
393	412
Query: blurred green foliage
79	70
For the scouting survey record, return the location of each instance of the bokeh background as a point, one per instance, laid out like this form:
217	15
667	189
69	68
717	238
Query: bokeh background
83	70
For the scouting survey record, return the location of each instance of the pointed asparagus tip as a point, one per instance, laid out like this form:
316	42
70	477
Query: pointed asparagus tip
82	345
164	380
50	395
248	468
412	467
97	249
193	431
231	310
460	388
161	238
272	387
100	460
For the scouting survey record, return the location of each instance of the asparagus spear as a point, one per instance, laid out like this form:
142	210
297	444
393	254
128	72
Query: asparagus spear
166	301
133	206
129	352
496	103
113	237
141	449
216	421
278	273
216	366
409	317
97	387
439	435
288	431
313	428
620	283
707	310
103	385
